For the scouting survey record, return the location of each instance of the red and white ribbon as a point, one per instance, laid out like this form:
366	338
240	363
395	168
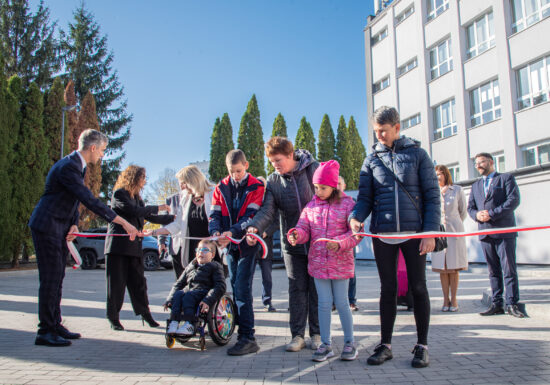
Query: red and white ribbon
440	234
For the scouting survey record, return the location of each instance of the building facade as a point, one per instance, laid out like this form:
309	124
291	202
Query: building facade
468	76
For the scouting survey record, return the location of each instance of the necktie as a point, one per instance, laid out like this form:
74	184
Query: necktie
486	183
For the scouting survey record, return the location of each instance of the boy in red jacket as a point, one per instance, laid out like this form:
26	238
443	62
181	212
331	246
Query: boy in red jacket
236	199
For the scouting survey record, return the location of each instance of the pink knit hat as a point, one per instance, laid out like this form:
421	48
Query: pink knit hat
327	173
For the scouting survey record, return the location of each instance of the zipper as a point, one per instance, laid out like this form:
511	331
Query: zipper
396	192
226	205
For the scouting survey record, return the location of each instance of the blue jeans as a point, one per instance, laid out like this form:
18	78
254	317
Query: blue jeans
241	270
186	303
266	266
335	291
352	291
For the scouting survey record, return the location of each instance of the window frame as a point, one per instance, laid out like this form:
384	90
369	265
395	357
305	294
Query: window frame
379	36
531	98
452	125
414	119
454	170
536	153
408	66
495	110
437	66
383	84
518	25
434	11
475	49
404	15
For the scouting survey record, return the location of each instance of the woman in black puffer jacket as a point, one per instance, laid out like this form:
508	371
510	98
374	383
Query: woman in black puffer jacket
288	190
393	212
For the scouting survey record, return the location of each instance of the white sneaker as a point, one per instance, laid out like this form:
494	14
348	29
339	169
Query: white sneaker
186	329
315	342
173	327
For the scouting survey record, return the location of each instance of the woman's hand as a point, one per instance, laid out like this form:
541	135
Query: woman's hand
167	305
147	233
427	245
251	241
333	246
165	208
292	237
204	307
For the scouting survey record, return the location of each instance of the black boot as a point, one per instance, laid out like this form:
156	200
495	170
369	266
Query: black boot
116	325
147	317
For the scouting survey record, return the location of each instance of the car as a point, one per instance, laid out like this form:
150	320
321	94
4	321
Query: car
92	250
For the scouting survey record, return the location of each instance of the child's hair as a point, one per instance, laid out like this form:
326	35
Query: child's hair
235	157
278	145
210	244
334	196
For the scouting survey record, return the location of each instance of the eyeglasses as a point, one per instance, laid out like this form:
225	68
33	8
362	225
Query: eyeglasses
478	163
203	250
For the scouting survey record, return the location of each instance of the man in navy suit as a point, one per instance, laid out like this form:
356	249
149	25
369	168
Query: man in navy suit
492	202
53	219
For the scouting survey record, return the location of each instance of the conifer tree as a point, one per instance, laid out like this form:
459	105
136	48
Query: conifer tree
87	118
357	155
250	138
215	166
343	150
226	143
305	138
28	43
33	160
279	129
71	119
89	63
53	108
327	142
5	162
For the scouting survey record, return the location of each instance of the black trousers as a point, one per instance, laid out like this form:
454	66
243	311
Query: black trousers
50	257
501	263
302	296
386	262
125	272
177	263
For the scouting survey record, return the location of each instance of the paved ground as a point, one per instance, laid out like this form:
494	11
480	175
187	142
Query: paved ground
464	347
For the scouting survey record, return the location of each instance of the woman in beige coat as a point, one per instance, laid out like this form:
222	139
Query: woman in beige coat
454	258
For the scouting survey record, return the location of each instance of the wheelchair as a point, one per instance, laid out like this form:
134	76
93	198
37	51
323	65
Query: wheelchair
220	320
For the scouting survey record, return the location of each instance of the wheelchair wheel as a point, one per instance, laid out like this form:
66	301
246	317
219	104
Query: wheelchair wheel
170	341
221	320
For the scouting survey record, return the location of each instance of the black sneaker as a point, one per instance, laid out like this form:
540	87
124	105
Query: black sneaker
420	359
381	353
242	347
513	310
493	310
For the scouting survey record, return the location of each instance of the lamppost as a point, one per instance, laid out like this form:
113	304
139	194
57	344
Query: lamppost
63	110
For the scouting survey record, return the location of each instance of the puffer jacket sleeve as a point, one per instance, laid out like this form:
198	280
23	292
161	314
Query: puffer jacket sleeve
215	217
303	227
267	213
431	201
219	285
363	207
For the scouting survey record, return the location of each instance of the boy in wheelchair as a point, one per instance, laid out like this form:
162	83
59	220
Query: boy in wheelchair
201	284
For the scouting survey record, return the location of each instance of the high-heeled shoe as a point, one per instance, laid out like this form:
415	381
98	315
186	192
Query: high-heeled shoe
149	319
116	325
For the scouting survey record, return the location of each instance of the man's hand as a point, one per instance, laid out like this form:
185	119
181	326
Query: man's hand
292	237
162	247
356	227
73	229
333	246
130	229
427	245
251	241
165	208
204	307
483	216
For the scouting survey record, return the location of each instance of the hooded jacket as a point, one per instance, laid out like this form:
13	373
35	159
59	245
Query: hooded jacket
380	195
286	195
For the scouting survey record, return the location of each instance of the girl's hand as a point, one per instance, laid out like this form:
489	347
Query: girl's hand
333	246
204	307
293	237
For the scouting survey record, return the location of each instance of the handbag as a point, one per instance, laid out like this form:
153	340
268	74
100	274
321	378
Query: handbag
440	242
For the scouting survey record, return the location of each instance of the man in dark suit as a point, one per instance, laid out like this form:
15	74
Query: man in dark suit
53	220
492	202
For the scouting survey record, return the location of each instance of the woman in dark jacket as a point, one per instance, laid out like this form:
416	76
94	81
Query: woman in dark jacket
124	266
395	165
288	190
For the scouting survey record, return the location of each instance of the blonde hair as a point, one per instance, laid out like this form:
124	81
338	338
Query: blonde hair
195	180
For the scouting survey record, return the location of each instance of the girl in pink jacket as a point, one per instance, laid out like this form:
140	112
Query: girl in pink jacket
331	264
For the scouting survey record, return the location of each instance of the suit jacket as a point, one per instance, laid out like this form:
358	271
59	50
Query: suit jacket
175	244
501	201
135	212
57	209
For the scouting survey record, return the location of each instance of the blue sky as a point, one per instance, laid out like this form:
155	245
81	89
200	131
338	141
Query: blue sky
184	63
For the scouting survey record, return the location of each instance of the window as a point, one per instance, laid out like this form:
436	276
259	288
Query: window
533	84
407	67
499	162
484	103
403	15
455	172
441	60
480	35
528	12
436	7
381	84
379	37
537	154
444	120
409	122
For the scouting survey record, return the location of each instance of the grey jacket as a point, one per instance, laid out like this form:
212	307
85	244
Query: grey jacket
287	194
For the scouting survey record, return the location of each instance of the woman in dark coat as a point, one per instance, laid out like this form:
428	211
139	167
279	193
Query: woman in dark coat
124	266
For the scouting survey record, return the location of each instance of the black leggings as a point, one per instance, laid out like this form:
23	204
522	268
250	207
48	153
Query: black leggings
386	261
